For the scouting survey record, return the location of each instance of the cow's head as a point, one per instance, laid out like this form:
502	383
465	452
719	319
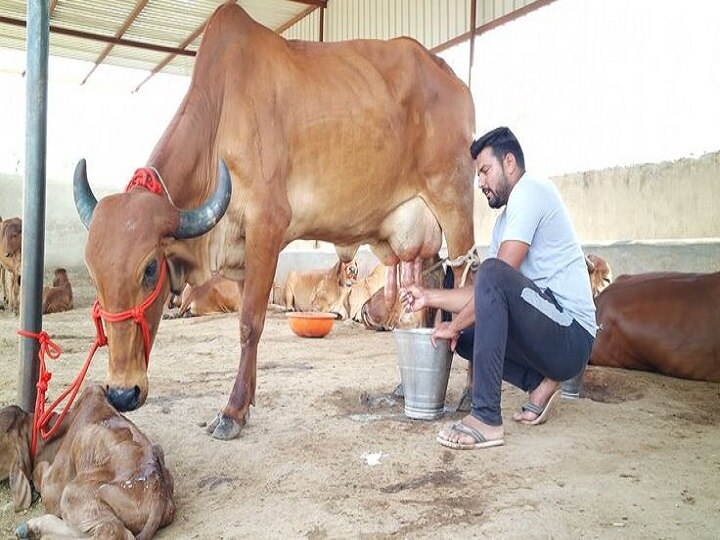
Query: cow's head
132	243
60	278
600	273
347	273
11	236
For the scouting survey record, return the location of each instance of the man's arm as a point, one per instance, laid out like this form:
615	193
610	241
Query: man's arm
513	252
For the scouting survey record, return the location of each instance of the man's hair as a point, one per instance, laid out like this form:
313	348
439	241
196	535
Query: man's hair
502	141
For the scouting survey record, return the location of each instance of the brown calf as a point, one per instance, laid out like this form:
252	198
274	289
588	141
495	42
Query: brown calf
102	477
59	297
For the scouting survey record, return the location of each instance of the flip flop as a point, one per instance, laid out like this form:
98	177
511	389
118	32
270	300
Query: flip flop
480	440
541	412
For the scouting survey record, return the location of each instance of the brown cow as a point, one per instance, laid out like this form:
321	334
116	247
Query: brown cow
321	290
216	295
59	297
11	260
664	321
351	143
600	273
100	476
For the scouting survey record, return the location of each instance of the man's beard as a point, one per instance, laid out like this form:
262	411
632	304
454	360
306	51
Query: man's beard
500	197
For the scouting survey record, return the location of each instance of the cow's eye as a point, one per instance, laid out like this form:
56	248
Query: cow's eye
151	274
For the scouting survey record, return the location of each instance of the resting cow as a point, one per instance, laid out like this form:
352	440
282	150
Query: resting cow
59	297
351	143
664	322
321	290
216	295
100	477
600	273
11	260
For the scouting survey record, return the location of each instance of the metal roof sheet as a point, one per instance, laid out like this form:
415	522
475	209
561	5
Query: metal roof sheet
163	35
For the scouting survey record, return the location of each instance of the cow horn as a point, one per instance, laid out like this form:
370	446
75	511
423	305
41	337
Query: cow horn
590	264
85	201
197	222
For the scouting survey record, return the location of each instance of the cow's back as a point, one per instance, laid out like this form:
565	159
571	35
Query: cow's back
664	322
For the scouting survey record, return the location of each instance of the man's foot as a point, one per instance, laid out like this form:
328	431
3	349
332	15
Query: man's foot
539	404
471	433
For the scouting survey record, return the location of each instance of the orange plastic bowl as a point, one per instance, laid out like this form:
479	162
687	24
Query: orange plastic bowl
306	324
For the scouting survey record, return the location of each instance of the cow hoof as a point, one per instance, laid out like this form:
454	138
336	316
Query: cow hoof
399	392
22	531
227	428
210	427
465	401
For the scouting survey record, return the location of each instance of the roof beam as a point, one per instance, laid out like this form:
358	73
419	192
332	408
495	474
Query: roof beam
192	37
121	31
492	24
316	3
105	39
287	24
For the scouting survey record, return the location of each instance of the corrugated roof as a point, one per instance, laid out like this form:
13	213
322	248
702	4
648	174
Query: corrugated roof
164	35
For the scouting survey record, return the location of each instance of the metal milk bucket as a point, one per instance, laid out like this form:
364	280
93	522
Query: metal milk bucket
424	372
570	389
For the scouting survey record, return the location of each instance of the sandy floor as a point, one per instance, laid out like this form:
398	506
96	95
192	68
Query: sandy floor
328	454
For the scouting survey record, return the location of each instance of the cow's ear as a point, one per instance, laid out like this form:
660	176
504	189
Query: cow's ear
20	479
180	261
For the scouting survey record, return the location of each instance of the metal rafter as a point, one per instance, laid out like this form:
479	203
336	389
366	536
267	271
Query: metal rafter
103	38
192	37
316	3
121	31
287	24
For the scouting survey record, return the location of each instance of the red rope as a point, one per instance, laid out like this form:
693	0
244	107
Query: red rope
147	179
42	416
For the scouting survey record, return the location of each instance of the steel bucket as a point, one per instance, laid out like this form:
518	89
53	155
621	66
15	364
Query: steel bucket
424	372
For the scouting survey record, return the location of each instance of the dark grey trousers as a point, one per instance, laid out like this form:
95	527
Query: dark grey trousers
521	335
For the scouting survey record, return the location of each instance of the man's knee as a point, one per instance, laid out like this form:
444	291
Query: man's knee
492	271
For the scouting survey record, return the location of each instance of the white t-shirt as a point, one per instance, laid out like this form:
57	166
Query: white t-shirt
535	214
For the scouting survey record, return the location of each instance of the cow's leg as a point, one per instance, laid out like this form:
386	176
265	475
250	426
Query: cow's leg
47	526
81	505
263	241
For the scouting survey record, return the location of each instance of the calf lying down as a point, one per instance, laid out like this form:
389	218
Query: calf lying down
99	477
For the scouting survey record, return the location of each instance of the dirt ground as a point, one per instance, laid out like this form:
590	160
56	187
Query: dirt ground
329	454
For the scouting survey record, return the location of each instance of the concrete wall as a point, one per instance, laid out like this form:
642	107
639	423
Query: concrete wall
669	200
662	216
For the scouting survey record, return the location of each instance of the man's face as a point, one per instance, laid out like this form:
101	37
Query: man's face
492	179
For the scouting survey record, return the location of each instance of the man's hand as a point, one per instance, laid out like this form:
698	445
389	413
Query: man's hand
445	330
413	298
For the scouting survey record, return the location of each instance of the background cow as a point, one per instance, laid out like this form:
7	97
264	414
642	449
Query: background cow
216	295
600	273
100	476
321	290
11	260
663	321
358	142
59	297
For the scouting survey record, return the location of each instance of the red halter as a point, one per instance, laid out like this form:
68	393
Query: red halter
137	314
